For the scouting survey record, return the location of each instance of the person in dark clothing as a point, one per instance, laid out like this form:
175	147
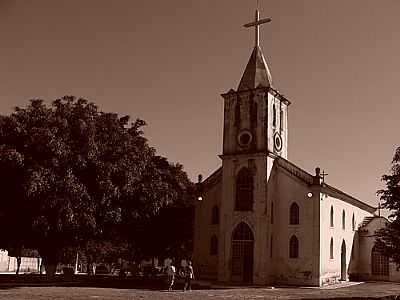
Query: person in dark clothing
189	275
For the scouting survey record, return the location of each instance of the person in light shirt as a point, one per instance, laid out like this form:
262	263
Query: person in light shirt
171	270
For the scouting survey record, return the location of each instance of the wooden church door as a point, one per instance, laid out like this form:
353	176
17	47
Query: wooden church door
242	254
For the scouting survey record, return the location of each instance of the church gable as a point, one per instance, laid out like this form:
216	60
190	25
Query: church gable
210	181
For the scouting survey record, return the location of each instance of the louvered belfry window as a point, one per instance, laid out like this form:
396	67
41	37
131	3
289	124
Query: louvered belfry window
244	190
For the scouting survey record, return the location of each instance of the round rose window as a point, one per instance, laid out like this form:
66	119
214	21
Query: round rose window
244	138
277	142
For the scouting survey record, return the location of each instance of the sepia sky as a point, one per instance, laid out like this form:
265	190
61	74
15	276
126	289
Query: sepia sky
167	62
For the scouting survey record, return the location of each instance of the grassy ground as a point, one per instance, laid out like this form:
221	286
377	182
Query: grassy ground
115	289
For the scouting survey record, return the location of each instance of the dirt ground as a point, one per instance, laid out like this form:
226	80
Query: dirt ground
370	290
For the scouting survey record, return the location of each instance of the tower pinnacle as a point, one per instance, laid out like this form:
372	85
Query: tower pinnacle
256	73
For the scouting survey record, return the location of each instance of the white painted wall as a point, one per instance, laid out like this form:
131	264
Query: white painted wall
305	269
331	268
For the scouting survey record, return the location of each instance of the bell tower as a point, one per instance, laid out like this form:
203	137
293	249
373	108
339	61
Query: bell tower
255	133
255	116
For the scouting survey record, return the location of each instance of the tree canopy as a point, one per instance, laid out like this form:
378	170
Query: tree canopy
388	238
71	174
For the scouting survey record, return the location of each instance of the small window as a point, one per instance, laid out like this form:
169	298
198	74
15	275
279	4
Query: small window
293	247
331	218
294	214
331	249
281	119
343	219
215	215
214	245
353	223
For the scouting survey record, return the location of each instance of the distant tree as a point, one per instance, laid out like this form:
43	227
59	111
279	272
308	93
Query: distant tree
388	238
72	174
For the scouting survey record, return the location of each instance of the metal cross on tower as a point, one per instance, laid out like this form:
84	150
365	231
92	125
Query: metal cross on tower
323	174
256	24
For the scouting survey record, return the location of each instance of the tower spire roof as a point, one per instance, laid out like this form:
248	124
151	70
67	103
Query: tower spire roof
257	72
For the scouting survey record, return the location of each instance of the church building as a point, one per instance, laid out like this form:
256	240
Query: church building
262	219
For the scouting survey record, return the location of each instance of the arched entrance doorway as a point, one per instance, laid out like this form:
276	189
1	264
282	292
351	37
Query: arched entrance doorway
343	272
379	263
242	254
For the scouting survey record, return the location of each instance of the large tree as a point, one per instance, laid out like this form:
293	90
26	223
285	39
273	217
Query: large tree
388	238
72	174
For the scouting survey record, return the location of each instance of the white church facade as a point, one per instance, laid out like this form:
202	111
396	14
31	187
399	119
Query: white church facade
262	219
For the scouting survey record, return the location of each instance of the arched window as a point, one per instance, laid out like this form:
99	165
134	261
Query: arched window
244	190
270	245
214	245
353	223
237	113
294	214
343	219
274	115
215	215
331	249
272	212
253	112
331	218
379	262
293	247
243	233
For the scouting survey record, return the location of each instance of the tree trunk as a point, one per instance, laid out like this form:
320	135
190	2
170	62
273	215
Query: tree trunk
50	261
41	268
91	266
50	270
94	268
18	264
76	263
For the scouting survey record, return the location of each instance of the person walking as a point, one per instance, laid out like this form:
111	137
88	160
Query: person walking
189	275
171	276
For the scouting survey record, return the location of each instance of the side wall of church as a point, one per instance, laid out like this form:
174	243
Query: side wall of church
339	233
303	270
205	262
